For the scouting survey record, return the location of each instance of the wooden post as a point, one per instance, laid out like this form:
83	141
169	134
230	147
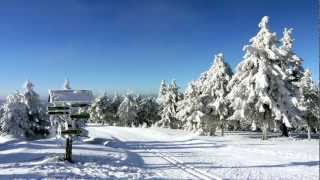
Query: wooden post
68	133
68	152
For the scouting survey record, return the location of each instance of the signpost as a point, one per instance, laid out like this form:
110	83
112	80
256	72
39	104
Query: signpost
68	151
64	104
68	133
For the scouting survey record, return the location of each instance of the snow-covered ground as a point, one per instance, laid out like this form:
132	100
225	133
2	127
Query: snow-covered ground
145	153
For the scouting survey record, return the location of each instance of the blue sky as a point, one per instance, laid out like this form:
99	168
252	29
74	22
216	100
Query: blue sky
120	45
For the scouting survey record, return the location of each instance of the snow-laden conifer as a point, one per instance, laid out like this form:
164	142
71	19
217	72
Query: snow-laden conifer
23	114
289	61
148	111
204	106
168	99
309	102
215	87
259	90
66	85
38	118
15	119
116	101
102	110
191	110
127	111
162	93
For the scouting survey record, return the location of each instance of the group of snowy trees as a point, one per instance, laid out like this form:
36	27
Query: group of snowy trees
269	90
128	111
23	114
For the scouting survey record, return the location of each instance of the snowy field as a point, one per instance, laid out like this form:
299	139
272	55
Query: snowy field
154	153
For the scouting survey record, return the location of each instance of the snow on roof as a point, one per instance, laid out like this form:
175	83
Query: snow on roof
76	96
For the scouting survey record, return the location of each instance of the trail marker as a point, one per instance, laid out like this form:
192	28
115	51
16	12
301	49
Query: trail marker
65	104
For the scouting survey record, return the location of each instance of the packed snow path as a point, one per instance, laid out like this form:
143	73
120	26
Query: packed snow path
173	154
154	153
136	141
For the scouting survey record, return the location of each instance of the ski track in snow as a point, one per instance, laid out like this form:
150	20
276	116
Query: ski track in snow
230	157
192	171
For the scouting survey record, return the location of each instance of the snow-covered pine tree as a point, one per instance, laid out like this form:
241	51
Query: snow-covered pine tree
204	106
116	101
23	114
190	111
260	90
148	111
291	64
168	98
127	111
289	61
15	120
309	102
102	111
38	118
215	88
162	93
66	85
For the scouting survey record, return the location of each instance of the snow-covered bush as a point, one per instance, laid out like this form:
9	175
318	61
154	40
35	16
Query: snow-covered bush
259	90
15	119
168	99
23	114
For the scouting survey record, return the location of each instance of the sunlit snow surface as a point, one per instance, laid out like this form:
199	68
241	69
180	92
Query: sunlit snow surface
141	153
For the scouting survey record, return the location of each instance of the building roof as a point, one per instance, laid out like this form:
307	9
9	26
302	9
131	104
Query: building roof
70	96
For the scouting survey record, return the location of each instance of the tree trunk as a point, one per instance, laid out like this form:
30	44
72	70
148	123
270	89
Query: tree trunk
265	131
266	118
309	132
284	130
222	129
253	125
213	131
